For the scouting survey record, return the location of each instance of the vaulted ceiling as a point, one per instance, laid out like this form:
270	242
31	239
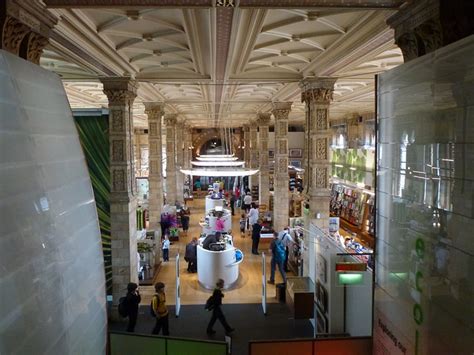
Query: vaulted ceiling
220	66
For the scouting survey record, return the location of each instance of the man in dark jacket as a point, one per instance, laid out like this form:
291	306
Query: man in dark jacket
256	229
211	239
217	296
191	255
132	301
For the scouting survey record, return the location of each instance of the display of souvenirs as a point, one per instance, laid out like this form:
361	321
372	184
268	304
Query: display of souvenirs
348	203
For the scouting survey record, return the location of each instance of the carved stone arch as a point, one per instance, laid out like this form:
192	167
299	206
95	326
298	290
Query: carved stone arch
200	139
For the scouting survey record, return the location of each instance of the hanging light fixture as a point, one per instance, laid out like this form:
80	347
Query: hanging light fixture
220	172
218	163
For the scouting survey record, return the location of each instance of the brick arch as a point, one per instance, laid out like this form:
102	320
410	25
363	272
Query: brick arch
199	139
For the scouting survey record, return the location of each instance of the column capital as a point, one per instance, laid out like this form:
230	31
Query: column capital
263	118
155	108
281	110
317	89
119	90
171	119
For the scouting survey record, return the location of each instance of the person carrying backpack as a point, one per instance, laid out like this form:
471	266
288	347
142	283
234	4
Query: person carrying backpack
214	304
129	306
278	258
159	310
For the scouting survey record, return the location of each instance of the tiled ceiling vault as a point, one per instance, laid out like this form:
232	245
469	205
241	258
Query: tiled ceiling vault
220	66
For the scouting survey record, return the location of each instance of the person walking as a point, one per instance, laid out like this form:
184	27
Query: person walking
247	202
158	305
191	255
133	299
166	249
232	203
185	213
216	304
242	222
256	229
278	258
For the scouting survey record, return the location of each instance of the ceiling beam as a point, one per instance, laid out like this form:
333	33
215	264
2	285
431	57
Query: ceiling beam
281	4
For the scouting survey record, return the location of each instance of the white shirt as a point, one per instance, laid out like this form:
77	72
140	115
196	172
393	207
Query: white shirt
166	244
286	238
253	216
247	199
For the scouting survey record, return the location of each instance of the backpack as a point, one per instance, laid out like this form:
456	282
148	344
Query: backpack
210	303
279	252
152	311
123	307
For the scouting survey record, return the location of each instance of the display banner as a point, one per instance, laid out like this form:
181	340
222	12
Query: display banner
92	128
264	284
178	288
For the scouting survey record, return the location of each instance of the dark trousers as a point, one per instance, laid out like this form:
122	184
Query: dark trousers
255	242
232	209
161	322
273	265
217	314
132	321
285	264
166	254
192	264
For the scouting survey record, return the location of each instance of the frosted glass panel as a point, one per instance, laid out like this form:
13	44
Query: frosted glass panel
425	205
52	286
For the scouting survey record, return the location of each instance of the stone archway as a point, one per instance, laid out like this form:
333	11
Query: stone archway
200	139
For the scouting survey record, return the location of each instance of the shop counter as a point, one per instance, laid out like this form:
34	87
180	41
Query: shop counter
214	265
212	203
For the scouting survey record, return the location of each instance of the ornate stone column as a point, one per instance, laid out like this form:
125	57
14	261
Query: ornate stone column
170	121
253	180
317	95
138	156
423	26
155	111
25	28
280	111
179	146
264	175
121	93
247	145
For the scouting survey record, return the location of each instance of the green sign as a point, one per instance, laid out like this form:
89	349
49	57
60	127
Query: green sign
353	278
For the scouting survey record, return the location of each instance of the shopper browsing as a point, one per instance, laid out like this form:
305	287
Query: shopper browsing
191	255
220	224
247	202
159	310
215	303
166	249
278	258
286	240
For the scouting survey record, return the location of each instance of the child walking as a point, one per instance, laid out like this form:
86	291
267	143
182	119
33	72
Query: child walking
242	222
166	249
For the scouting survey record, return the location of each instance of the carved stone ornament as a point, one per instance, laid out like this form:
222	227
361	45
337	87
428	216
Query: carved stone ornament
322	95
283	165
431	35
153	129
119	97
321	149
153	147
283	147
281	114
408	44
321	119
153	167
118	150
13	33
36	44
118	182
321	176
282	128
117	120
225	3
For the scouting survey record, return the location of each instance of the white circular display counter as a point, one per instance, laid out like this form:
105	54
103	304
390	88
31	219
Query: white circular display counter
210	226
212	203
215	265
